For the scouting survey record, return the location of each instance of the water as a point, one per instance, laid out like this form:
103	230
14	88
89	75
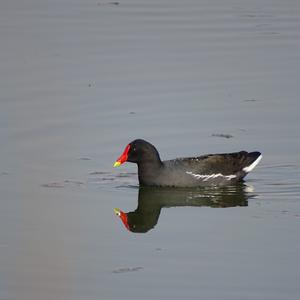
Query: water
81	79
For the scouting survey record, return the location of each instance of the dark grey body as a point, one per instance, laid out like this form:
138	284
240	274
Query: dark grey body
213	169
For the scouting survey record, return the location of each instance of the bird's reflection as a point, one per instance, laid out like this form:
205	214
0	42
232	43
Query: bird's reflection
152	200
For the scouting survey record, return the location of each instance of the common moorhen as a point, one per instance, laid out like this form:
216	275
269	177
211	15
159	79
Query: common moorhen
210	169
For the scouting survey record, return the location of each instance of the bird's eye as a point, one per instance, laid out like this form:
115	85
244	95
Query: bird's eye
133	149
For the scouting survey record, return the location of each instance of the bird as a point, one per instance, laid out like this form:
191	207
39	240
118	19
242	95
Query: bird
205	170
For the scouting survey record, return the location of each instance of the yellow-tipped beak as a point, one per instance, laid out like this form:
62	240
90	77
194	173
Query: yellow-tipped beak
117	211
123	157
117	163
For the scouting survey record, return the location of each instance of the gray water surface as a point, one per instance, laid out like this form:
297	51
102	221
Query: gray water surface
80	80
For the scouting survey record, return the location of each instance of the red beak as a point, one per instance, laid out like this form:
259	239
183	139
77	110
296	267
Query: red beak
123	157
122	216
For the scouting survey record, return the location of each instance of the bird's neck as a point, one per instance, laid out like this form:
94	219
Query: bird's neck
148	171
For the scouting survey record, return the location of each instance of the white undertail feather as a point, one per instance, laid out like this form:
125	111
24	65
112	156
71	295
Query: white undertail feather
253	165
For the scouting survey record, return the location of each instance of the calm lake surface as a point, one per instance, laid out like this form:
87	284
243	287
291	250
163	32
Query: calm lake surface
81	79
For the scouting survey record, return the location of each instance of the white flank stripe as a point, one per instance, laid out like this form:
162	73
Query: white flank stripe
207	177
253	165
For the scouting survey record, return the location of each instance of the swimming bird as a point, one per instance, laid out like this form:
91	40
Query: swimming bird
210	169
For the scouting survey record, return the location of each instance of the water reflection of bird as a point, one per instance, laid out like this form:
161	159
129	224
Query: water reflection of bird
152	200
